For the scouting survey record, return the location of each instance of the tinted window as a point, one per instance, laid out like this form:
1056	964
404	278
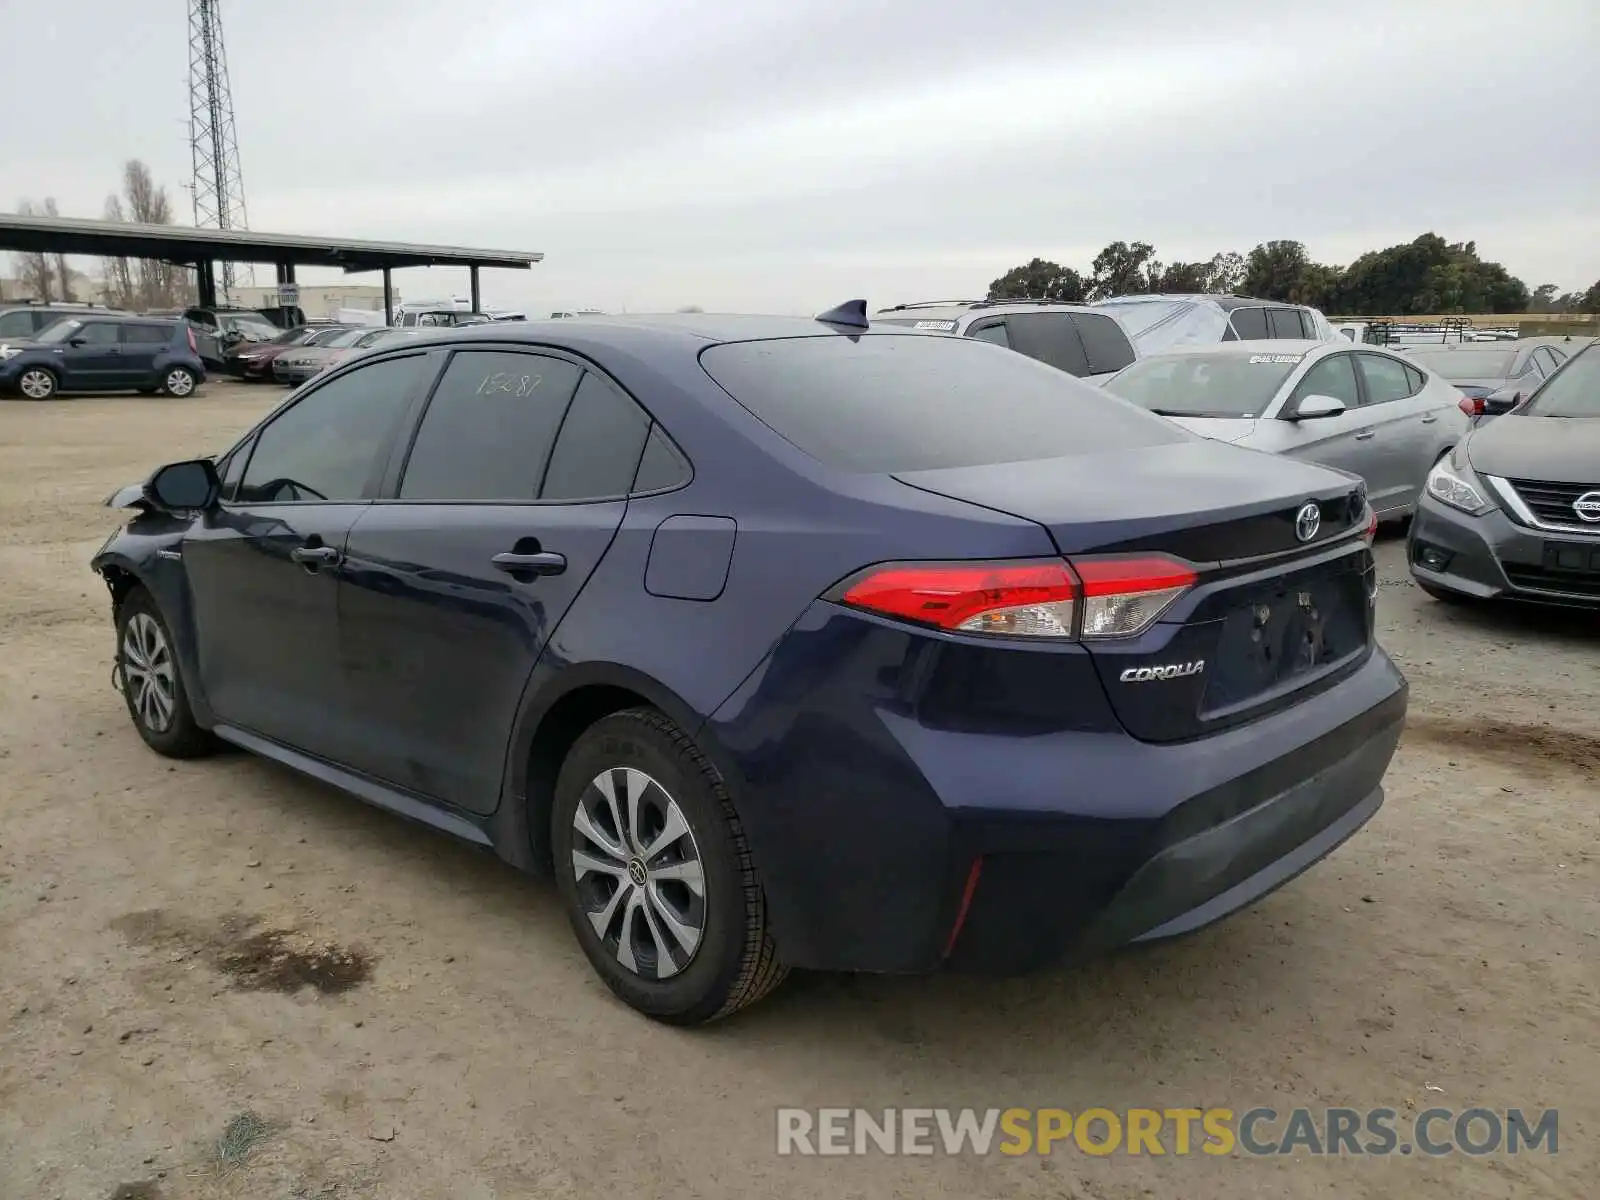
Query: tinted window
1107	347
1284	323
60	331
488	429
327	445
1458	365
1051	338
1386	378
1205	384
662	467
1334	376
995	333
1250	323
597	451
147	335
908	403
98	333
16	325
1531	367
1416	379
1574	391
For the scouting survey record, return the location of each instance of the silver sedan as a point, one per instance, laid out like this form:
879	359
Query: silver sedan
1364	410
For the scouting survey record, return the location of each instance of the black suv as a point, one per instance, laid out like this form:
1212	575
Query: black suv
19	323
103	352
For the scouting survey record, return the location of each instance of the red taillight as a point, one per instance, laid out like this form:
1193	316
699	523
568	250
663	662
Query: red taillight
1115	596
1026	599
1471	405
193	346
1372	525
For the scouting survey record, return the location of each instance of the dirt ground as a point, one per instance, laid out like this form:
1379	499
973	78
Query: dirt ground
220	979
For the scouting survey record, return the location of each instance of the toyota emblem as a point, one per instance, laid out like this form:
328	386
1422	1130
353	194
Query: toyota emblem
1587	506
1309	519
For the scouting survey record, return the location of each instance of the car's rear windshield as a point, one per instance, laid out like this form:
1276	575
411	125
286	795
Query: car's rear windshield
1464	364
1205	385
907	402
1573	391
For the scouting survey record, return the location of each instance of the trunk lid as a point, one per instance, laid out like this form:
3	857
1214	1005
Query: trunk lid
1273	617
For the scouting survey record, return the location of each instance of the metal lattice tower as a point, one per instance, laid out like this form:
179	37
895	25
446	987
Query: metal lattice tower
213	142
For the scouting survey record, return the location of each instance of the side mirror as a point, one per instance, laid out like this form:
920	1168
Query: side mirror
1316	408
78	341
1500	405
231	338
184	486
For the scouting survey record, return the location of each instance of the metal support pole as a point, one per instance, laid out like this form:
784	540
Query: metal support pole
477	305
388	296
206	282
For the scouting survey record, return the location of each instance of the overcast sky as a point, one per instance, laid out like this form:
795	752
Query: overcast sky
784	155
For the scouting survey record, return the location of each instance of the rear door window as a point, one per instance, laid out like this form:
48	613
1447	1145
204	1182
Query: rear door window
1284	324
146	335
1051	338
994	332
1106	346
596	454
1386	378
489	427
887	402
1250	324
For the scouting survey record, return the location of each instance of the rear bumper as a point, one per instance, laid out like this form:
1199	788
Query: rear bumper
1492	557
870	812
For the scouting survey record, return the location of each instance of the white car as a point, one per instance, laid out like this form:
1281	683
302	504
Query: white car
1362	409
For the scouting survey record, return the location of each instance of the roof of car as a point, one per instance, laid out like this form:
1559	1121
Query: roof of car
703	328
956	311
1290	346
1223	301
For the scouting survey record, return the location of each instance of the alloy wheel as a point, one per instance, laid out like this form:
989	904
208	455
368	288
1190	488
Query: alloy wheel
639	874
148	673
179	383
37	384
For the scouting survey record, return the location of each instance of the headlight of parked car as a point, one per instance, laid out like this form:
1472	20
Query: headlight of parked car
1458	488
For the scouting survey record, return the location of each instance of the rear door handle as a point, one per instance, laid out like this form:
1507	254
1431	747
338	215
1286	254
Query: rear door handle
314	556
1430	418
1366	434
546	562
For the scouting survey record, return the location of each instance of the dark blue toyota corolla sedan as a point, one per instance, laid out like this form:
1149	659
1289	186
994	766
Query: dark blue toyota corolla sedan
779	642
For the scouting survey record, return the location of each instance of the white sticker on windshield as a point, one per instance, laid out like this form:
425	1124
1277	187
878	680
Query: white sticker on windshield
944	325
1277	358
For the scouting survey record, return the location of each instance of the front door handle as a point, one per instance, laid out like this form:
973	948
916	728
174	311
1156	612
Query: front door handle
1365	434
1430	418
312	557
546	562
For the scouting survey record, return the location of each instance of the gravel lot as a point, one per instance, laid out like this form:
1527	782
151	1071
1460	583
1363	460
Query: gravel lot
155	919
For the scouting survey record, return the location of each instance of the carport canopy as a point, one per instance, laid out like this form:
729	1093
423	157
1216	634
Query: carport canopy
201	249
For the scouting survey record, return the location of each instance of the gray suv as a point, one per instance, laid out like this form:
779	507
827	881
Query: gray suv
1081	341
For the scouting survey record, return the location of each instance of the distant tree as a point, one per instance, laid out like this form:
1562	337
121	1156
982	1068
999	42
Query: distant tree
691	308
120	289
1273	270
1122	270
1543	299
63	272
1039	279
1226	274
1568	302
150	283
1180	277
35	271
1591	299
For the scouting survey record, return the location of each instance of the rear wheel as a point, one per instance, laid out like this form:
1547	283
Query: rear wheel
37	383
656	875
178	381
147	674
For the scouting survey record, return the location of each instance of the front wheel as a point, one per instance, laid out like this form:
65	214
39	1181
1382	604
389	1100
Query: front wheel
37	383
656	875
147	675
178	381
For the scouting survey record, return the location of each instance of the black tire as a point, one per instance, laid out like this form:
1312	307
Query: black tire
734	962
179	736
147	391
1446	597
31	391
179	382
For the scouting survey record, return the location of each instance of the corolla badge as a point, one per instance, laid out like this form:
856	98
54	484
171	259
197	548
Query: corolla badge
1587	506
1307	521
1169	671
